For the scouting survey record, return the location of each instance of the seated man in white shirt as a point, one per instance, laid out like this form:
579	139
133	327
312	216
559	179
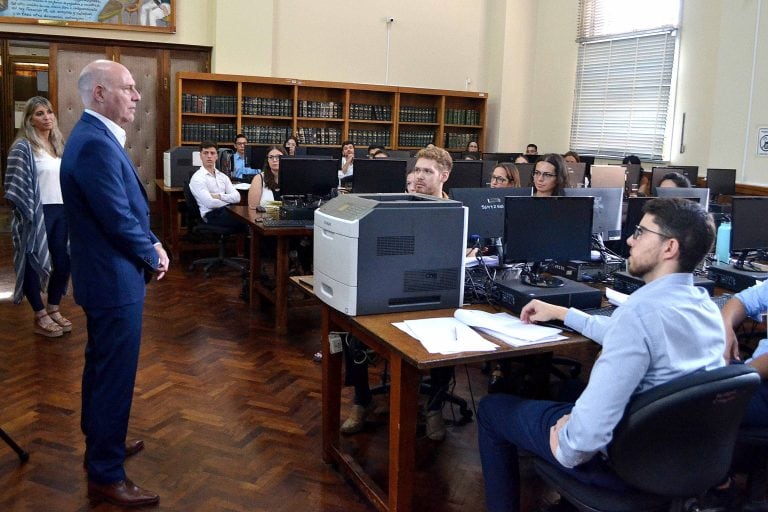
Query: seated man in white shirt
213	190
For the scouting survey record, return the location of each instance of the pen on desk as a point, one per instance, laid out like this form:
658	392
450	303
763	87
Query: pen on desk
455	334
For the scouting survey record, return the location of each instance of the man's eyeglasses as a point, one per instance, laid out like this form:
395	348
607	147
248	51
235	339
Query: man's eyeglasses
499	179
545	175
639	230
239	143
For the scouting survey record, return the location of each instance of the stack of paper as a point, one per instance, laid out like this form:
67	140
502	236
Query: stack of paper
507	328
445	336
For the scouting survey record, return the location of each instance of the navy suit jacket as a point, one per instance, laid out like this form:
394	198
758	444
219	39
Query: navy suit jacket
111	244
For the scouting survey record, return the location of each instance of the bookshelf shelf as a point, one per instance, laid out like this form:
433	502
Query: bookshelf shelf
268	109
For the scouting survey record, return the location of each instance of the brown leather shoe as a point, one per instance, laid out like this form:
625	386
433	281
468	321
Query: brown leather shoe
131	448
123	493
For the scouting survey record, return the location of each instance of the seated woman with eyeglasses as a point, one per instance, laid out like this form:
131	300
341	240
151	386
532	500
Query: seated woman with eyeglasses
505	175
550	176
265	186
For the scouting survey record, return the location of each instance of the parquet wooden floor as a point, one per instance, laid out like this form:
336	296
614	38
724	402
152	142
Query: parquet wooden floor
229	411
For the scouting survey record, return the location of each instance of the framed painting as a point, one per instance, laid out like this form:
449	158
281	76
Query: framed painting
142	15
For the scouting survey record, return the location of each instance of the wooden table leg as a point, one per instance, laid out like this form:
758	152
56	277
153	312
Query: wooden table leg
281	285
403	403
254	298
331	403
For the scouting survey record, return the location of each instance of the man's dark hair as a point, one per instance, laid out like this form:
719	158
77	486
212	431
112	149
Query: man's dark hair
631	159
688	223
208	144
240	136
678	179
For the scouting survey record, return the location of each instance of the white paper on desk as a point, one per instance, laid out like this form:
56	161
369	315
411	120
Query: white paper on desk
508	328
473	261
614	297
445	336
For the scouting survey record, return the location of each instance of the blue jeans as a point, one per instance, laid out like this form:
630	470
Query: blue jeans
506	423
57	233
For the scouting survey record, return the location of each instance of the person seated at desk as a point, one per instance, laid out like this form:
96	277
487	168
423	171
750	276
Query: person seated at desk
666	329
240	167
374	149
550	176
265	187
674	180
571	157
347	159
432	168
290	145
505	175
213	190
531	150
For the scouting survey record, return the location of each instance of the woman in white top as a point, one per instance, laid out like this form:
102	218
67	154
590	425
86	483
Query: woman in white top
39	227
265	187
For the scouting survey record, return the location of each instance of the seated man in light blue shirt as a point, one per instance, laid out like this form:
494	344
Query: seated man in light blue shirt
666	329
240	165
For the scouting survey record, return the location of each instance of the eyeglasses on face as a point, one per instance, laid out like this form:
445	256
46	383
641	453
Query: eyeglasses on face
639	230
545	175
240	143
273	157
499	179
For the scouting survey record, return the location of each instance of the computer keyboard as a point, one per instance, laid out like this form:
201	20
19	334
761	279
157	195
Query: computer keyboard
603	311
720	300
271	222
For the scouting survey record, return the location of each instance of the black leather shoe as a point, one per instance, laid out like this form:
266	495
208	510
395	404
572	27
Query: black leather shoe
123	493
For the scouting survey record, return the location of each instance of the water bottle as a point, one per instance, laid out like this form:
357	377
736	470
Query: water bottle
723	246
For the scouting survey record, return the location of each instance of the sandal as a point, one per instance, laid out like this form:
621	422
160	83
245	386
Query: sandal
49	328
66	325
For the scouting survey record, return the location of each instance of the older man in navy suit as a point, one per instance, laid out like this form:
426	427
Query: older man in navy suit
114	254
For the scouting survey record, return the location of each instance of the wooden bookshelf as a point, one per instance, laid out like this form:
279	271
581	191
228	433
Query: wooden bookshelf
267	110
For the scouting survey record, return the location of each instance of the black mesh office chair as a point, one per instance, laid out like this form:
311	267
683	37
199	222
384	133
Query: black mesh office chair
674	442
196	225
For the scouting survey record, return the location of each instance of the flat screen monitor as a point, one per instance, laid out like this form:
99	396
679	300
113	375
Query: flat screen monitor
526	173
749	229
322	151
308	176
700	195
486	208
576	174
721	182
501	157
633	217
547	228
658	173
465	174
633	172
379	175
606	215
608	176
402	155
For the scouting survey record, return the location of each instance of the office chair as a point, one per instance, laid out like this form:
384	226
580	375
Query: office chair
23	455
224	162
674	442
196	225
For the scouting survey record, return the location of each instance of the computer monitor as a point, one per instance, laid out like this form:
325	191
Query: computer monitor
546	228
576	174
606	216
633	173
701	195
465	174
721	182
658	173
526	173
486	208
305	175
608	176
379	175
501	157
323	151
749	231
633	217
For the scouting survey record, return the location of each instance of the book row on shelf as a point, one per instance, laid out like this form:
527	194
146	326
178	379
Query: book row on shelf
370	137
361	111
266	134
325	136
415	138
267	107
462	116
418	114
208	131
201	104
324	109
459	140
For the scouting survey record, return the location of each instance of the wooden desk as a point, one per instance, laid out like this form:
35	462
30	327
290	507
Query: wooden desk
407	358
257	290
169	198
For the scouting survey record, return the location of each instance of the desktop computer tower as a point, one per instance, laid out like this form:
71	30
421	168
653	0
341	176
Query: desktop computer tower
179	163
